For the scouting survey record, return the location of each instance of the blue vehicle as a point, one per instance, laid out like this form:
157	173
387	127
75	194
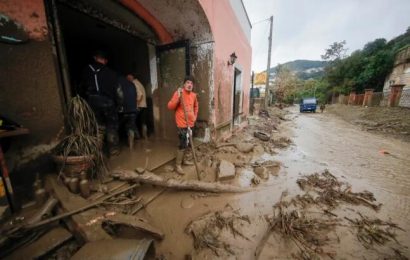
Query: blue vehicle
308	104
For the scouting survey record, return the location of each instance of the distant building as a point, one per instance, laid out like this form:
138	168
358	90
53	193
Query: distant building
400	75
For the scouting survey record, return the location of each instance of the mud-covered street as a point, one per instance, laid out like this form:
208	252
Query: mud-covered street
287	185
320	141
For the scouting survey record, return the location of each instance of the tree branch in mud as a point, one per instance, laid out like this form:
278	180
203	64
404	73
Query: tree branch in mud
331	192
372	232
308	234
151	178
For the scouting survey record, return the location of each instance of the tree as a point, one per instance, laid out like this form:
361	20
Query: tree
285	84
335	52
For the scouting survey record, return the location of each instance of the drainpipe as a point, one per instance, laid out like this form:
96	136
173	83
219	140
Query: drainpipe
145	15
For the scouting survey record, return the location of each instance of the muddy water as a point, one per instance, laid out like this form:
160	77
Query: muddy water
320	142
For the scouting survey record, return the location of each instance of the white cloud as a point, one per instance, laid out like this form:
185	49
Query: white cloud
303	29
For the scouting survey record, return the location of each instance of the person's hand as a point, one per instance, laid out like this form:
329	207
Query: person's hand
189	130
179	91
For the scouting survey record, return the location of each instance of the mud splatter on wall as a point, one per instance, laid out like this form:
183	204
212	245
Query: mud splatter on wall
30	14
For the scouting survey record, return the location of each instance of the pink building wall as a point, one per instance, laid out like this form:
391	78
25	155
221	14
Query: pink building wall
229	38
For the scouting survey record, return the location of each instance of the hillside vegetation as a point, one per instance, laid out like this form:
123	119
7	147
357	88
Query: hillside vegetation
364	68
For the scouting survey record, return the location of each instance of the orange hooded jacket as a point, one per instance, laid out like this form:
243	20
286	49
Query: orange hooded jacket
191	106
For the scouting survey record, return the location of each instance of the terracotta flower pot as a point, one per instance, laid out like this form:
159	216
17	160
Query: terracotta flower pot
73	164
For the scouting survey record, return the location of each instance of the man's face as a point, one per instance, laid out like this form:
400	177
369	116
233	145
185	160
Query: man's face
188	85
101	60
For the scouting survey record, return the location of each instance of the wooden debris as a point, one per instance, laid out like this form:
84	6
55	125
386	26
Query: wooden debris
46	243
44	211
147	202
372	232
150	178
308	234
207	231
100	195
331	192
117	249
81	212
113	224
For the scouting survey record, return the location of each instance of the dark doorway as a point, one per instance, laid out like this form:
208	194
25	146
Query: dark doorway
82	35
237	96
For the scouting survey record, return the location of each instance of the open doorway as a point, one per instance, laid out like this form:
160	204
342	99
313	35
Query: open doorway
237	97
81	35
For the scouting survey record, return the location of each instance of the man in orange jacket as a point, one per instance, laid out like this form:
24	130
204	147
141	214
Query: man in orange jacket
185	104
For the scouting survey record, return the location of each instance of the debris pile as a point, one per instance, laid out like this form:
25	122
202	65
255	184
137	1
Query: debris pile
311	231
212	231
371	232
331	192
309	234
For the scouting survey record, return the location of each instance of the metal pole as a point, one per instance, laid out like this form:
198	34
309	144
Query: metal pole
268	67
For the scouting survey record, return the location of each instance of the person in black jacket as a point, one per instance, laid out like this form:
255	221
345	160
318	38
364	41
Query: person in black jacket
129	113
103	94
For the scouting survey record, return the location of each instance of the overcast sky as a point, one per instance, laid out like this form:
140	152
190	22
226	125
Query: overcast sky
303	29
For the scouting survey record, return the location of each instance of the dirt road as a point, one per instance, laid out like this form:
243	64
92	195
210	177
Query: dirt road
367	161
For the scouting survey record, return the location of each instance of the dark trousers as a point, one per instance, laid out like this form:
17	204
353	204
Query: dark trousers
129	121
106	114
183	138
141	119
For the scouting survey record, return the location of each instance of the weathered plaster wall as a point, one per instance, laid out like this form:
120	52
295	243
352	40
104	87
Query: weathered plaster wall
401	70
202	70
28	13
28	89
183	19
229	38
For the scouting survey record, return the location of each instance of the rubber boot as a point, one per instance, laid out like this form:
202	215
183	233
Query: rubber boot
187	162
145	132
178	162
112	140
131	139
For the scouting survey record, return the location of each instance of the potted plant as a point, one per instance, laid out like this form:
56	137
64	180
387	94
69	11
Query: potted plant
81	148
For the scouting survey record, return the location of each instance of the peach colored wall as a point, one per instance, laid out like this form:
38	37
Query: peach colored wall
229	38
30	14
29	93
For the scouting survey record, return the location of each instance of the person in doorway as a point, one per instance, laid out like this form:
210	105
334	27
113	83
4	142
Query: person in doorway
185	104
103	94
141	106
129	112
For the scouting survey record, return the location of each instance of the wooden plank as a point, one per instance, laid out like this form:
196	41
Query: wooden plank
52	239
86	224
15	132
132	222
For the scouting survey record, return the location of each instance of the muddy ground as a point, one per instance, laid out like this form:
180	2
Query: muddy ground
316	187
232	226
388	121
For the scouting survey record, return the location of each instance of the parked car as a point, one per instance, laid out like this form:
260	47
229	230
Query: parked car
308	104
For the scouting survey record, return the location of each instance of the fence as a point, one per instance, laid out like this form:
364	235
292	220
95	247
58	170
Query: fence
375	99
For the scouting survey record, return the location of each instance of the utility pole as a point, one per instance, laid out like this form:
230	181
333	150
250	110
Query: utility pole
267	96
